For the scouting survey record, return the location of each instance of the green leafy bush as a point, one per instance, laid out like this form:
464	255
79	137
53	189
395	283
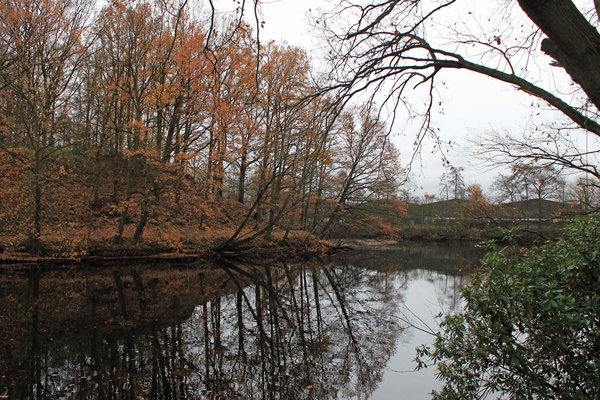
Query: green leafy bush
530	328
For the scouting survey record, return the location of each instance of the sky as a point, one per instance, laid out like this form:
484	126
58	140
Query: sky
471	103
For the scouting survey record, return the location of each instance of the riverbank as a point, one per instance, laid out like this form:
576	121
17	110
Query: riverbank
58	249
74	247
523	232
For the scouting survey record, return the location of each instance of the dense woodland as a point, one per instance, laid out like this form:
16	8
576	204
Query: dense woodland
155	124
143	117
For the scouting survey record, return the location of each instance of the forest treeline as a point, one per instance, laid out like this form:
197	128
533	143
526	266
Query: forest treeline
149	116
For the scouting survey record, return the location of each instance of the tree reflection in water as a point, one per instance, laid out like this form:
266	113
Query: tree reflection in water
319	330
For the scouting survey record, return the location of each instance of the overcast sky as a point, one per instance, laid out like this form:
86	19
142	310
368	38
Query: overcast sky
472	103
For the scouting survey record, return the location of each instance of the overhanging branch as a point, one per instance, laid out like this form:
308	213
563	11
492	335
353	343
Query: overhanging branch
581	120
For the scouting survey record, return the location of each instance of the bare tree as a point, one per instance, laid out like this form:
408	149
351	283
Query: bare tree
552	145
526	182
545	183
586	192
368	164
394	47
452	184
505	188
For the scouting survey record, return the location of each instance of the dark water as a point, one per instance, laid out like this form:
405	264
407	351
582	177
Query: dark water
344	327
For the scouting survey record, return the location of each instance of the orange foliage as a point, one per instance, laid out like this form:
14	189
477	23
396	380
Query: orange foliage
160	132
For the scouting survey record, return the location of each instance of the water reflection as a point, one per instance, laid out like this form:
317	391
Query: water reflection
319	330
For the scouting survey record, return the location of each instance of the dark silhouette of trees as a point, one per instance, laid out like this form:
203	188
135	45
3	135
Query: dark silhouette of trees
452	184
526	182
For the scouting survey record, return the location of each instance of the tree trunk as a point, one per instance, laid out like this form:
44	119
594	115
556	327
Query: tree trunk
128	192
242	177
35	244
139	230
575	43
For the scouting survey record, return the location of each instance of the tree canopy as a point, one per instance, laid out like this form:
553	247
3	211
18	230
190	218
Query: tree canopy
147	113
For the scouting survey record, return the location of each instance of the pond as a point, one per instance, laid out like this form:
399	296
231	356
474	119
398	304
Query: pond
342	327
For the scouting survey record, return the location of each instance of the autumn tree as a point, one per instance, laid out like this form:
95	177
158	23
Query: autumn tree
127	110
232	92
149	83
43	44
284	148
138	58
478	204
